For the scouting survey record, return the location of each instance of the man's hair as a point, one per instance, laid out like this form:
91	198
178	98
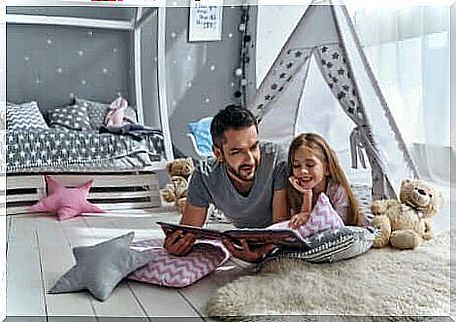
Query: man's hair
232	117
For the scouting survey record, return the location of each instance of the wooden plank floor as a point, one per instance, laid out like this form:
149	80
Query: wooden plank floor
39	252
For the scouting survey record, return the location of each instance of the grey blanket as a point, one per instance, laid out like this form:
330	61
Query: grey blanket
56	147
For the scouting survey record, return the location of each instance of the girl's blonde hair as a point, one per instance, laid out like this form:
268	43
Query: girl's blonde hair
326	155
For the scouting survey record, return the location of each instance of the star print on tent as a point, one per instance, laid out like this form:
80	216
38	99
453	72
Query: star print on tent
66	202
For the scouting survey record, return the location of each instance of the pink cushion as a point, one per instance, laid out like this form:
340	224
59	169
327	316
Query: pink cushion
322	217
65	202
178	271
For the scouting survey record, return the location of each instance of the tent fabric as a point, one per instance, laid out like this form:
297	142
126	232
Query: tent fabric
321	82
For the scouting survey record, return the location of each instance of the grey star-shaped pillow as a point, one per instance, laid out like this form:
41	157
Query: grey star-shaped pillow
101	267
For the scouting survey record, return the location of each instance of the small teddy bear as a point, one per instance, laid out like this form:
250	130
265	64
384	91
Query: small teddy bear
180	171
406	223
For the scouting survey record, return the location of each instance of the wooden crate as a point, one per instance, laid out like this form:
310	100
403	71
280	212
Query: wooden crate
108	191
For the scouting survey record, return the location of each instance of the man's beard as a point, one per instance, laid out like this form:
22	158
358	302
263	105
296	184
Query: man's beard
237	172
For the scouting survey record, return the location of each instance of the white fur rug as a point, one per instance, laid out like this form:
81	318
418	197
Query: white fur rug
381	282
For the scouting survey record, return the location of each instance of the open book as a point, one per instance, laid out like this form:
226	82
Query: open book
254	236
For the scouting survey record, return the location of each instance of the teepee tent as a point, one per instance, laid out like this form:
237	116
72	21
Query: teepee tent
321	82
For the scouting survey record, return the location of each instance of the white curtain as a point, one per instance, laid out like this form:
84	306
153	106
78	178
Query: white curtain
408	50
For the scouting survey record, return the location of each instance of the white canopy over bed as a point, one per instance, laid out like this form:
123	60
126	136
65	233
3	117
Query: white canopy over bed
116	186
132	19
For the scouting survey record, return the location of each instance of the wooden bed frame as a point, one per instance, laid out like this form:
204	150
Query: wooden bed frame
109	191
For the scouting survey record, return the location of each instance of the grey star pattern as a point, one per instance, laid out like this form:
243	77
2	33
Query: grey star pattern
74	147
73	117
339	80
101	267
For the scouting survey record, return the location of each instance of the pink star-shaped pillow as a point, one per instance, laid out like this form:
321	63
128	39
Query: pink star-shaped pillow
66	202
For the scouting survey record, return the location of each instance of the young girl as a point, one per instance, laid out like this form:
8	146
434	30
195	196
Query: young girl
313	169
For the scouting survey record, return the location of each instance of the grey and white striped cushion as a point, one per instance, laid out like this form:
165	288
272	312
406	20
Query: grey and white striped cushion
332	245
26	116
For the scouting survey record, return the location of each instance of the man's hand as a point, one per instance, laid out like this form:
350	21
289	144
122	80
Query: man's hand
179	244
246	252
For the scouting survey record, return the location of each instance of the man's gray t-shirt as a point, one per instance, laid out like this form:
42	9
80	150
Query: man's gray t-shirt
210	184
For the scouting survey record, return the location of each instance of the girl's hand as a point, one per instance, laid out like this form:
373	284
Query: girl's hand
295	183
299	219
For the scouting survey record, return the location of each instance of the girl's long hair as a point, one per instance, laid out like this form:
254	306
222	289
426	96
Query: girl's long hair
326	155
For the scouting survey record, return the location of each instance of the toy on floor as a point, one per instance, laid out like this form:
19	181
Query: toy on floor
180	171
65	202
405	223
117	113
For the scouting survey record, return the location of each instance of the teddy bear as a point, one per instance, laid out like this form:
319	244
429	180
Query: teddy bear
180	171
405	223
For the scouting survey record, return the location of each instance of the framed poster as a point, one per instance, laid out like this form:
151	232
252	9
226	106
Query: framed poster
205	21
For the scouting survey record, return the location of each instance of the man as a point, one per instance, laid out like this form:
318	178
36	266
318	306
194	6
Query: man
246	180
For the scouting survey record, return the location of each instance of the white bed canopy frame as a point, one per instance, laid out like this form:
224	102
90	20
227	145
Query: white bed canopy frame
145	179
134	25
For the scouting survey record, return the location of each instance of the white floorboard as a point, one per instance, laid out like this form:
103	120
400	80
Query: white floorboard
39	252
24	284
57	258
145	227
163	302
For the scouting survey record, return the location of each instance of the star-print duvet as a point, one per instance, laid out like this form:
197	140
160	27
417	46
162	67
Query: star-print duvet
58	148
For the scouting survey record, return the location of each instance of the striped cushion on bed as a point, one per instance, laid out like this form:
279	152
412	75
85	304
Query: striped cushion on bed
26	116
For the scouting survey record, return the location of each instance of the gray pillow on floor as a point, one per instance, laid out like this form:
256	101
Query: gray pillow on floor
101	267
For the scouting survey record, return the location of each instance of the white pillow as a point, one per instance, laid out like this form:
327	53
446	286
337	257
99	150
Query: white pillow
26	116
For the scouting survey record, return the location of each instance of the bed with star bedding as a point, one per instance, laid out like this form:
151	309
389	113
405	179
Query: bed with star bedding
68	139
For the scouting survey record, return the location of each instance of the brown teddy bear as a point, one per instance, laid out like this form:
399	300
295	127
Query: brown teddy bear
406	223
180	171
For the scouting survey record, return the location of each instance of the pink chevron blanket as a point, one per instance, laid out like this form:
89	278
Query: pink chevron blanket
322	217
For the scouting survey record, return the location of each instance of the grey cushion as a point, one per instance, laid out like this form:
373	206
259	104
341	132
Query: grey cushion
26	116
331	245
73	117
101	267
97	111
